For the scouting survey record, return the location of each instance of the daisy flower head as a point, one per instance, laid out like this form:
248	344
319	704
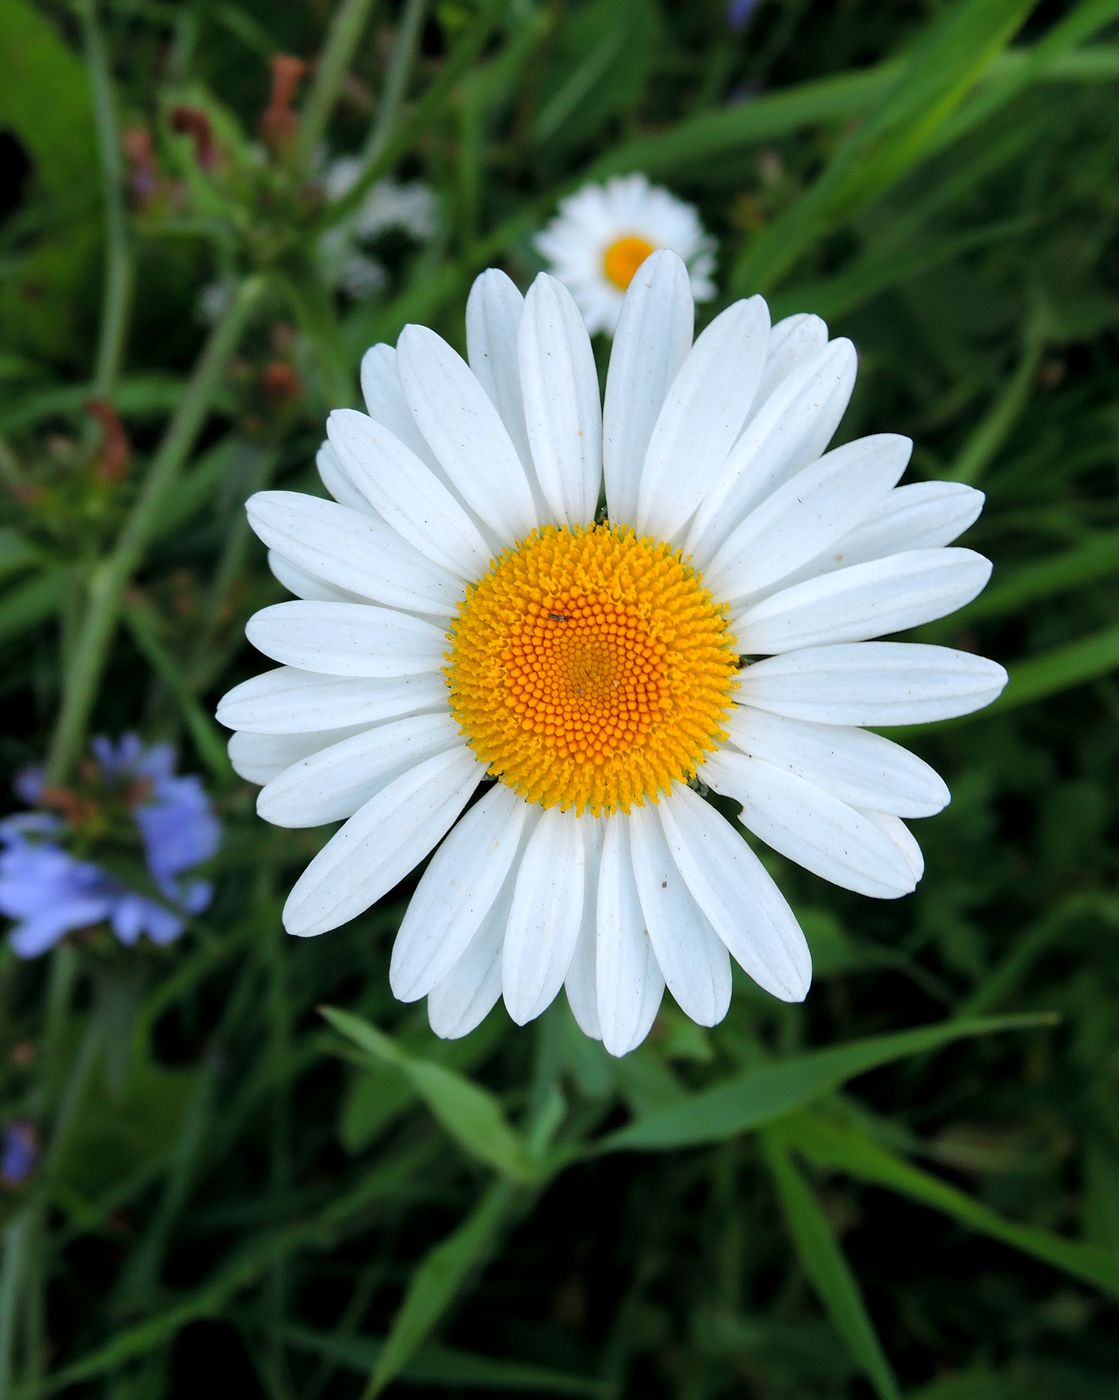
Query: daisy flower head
603	233
586	614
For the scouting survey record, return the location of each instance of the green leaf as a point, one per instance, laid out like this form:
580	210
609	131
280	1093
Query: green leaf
470	1114
842	1148
769	1092
1038	677
831	1276
434	1283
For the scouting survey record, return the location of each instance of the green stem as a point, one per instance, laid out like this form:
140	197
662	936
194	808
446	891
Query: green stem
111	576
330	73
311	305
396	79
432	103
117	295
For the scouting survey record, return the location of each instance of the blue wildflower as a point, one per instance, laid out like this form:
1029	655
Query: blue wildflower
50	880
19	1152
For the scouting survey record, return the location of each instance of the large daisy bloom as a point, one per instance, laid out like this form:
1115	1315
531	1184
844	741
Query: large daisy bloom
603	233
468	612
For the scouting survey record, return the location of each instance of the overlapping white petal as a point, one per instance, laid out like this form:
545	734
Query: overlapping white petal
629	981
288	701
493	318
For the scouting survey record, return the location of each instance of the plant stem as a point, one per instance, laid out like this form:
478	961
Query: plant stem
117	296
111	576
458	64
330	73
396	79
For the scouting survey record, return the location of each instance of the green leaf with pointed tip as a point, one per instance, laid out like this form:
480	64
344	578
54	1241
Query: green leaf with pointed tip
470	1114
769	1092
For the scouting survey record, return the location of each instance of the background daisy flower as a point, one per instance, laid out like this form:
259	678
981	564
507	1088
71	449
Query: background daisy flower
465	612
603	233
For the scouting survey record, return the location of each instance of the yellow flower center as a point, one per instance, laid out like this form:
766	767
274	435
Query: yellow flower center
590	669
623	257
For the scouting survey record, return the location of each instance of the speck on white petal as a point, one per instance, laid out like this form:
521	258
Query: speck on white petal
457	892
381	843
693	960
810	826
290	701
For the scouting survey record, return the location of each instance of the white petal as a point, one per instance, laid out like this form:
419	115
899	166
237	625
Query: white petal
287	701
259	757
381	843
818	506
303	584
354	552
581	980
810	826
347	639
463	429
385	401
333	783
630	982
862	769
652	341
456	893
878	683
790	429
692	958
336	481
703	413
902	838
742	903
408	494
864	601
563	413
493	316
546	915
791	342
468	993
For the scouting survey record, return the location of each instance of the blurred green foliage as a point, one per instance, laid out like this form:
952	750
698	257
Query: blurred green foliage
901	1188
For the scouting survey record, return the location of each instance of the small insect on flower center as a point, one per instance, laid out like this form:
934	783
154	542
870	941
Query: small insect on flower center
590	668
623	257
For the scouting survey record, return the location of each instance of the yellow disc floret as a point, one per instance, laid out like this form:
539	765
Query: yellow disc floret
590	669
623	257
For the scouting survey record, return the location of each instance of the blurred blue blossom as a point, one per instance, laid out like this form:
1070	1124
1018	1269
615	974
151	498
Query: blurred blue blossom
128	798
19	1152
739	13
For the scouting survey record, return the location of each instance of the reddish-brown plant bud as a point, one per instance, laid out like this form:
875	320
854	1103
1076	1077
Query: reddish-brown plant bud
194	122
116	450
278	122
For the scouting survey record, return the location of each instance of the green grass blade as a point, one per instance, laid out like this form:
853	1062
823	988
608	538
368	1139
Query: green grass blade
844	1149
828	1270
435	1281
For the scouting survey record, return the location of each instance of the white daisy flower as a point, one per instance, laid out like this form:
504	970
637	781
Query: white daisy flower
466	613
603	233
